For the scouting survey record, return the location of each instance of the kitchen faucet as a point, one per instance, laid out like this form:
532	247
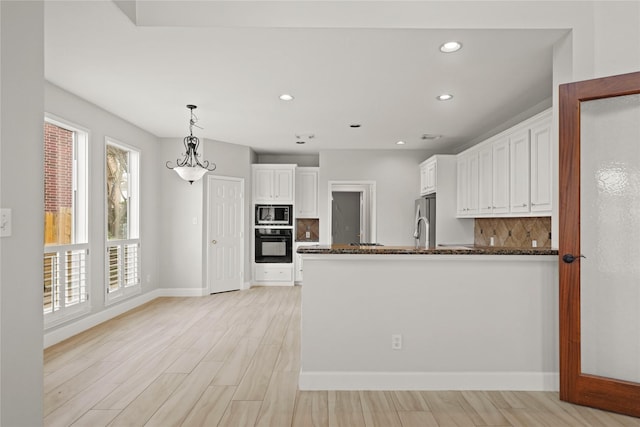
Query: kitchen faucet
416	233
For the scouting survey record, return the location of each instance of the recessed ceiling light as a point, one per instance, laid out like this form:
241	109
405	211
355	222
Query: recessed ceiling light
286	97
450	47
444	97
354	125
400	143
301	142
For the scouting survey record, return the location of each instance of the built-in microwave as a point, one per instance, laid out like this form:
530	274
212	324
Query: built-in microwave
274	215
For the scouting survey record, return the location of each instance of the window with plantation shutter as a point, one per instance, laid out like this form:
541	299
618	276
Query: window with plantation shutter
122	254
66	246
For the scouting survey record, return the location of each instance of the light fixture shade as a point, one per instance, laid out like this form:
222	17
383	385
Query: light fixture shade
190	173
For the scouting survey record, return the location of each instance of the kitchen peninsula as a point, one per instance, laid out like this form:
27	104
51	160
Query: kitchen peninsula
393	317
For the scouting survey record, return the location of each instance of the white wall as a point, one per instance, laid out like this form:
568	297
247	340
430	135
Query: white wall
182	242
21	160
397	178
101	124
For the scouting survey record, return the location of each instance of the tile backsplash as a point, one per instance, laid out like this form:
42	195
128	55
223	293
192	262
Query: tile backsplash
513	232
311	225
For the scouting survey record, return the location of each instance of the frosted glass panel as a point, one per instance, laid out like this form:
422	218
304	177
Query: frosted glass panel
610	237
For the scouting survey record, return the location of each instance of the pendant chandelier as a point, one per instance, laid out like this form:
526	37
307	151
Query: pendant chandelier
190	168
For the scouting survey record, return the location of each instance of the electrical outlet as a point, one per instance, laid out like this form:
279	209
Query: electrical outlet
396	342
5	222
307	234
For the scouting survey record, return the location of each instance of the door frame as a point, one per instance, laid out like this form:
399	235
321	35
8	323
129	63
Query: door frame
367	189
576	387
207	234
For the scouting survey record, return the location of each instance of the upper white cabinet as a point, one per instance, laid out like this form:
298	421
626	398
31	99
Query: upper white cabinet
307	192
541	170
273	183
485	180
467	184
428	176
519	176
514	175
500	177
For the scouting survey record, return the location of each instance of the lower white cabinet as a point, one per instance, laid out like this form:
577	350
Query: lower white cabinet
274	273
298	260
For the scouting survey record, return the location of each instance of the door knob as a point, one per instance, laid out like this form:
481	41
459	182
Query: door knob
214	241
569	258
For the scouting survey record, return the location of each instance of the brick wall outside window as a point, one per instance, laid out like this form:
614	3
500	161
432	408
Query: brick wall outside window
58	168
58	185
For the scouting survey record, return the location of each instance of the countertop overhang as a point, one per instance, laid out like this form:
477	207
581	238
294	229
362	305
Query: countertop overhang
412	250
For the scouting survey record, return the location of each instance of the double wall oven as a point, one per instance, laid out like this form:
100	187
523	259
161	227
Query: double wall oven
274	234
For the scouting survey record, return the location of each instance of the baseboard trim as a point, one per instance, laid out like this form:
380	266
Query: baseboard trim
80	325
183	292
529	381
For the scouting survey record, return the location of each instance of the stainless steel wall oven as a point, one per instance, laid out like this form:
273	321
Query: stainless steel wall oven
273	245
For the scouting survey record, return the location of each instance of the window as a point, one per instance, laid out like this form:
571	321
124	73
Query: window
66	248
122	217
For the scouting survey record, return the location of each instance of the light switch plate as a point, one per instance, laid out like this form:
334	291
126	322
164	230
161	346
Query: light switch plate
5	222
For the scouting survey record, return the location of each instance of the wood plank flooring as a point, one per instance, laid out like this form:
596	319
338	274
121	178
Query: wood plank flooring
233	359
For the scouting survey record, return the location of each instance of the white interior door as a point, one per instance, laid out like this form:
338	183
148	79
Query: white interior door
225	224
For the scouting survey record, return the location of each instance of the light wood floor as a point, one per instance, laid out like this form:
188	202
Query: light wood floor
233	360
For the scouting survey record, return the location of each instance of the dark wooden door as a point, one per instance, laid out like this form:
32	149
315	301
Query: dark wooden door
600	219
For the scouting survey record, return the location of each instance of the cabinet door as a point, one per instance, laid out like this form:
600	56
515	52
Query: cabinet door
519	181
472	184
500	184
541	174
283	185
485	180
298	267
423	179
431	177
462	184
263	185
307	193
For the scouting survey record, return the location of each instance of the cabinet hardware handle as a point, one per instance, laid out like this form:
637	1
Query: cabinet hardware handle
524	205
533	204
214	241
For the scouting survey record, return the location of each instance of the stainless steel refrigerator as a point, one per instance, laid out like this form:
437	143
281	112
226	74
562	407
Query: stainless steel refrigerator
425	207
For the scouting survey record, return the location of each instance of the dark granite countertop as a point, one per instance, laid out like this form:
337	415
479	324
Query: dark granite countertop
412	250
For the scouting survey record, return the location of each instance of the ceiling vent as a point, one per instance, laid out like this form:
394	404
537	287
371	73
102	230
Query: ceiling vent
303	138
431	136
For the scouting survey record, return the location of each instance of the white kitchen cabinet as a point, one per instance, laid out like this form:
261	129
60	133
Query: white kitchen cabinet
428	176
462	184
273	183
500	176
519	175
298	265
467	185
515	174
541	170
274	273
485	180
307	192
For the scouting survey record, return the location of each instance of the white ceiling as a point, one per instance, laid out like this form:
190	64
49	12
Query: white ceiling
382	78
